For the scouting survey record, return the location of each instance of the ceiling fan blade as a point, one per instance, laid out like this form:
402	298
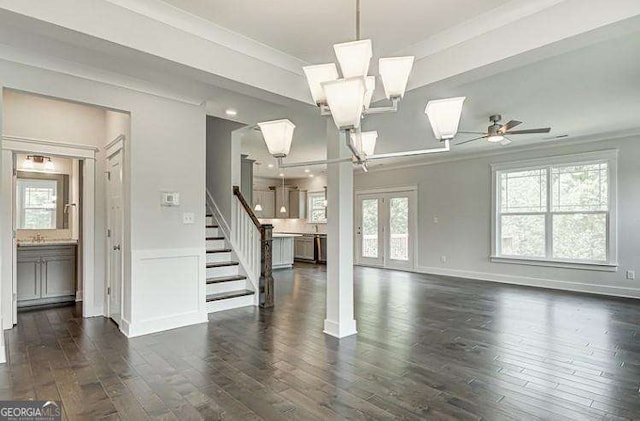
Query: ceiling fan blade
510	125
531	131
465	132
471	140
505	141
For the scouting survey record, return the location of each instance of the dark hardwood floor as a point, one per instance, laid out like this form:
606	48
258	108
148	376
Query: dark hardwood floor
427	348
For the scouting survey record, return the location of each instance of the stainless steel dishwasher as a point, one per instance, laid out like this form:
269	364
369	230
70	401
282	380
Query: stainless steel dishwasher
320	248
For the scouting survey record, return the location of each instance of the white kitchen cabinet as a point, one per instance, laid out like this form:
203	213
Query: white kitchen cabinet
304	248
267	199
282	252
46	274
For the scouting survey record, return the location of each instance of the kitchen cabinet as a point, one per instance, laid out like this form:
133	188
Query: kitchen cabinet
297	204
267	200
304	248
282	251
46	274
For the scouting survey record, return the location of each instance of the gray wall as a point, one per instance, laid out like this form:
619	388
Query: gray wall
459	194
220	159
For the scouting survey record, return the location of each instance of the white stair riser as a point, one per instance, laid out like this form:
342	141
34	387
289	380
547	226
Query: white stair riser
222	271
215	244
213	232
209	220
230	303
218	257
226	286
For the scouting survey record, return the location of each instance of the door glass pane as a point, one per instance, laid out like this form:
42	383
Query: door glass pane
370	228
399	228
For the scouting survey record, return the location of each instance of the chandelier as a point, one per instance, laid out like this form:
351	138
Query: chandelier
347	95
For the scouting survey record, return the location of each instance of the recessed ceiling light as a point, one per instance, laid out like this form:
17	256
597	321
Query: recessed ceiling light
307	170
281	174
270	165
311	175
231	112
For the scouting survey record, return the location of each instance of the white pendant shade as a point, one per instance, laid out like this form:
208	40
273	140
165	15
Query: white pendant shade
365	142
370	83
444	116
346	99
354	57
395	72
283	209
318	74
258	208
278	135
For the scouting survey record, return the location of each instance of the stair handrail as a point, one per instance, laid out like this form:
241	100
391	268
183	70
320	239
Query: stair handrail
266	283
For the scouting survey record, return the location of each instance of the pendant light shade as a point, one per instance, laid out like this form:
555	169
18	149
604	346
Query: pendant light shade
278	135
318	74
354	57
48	166
395	72
370	83
444	116
365	142
258	207
283	209
27	163
346	99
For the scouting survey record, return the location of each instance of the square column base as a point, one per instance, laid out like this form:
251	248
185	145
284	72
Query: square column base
338	330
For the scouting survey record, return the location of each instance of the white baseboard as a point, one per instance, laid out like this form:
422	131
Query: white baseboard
125	326
78	296
533	282
162	324
3	354
340	330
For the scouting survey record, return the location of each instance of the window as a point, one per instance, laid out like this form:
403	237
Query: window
37	203
317	208
556	210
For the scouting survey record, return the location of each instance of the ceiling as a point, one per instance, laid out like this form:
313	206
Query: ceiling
308	29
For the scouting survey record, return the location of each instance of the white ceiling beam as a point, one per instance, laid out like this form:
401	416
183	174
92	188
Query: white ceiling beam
175	36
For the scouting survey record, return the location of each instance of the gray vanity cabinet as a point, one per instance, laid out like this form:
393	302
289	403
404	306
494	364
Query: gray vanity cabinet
46	274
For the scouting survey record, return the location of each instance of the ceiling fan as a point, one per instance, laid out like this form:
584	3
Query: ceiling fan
496	132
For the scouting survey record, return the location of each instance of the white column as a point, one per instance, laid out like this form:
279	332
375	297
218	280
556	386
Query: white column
339	321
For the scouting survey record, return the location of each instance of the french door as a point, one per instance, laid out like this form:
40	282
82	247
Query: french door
386	229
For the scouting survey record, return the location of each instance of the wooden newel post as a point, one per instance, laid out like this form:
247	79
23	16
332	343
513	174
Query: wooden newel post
266	270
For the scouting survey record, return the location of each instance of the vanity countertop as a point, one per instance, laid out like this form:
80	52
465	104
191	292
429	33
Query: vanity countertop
47	243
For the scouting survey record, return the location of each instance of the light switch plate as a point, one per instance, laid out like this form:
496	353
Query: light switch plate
170	198
188	218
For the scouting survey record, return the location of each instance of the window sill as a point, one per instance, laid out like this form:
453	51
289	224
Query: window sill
602	267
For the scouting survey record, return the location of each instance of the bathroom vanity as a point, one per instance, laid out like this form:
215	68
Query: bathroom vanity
46	272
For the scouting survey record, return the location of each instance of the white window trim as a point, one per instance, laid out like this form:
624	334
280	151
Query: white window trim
310	209
611	157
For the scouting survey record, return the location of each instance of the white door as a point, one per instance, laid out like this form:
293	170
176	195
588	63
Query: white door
114	235
386	229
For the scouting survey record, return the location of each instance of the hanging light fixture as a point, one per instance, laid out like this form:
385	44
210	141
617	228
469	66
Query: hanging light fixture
258	207
444	116
278	135
365	142
283	209
27	163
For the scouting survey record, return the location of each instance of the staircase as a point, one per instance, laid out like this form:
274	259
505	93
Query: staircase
227	286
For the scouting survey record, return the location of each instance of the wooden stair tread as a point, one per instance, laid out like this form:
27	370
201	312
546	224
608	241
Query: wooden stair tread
221	279
221	264
215	238
212	226
227	295
220	251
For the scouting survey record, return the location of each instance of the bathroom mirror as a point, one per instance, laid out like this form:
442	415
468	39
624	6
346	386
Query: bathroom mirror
42	201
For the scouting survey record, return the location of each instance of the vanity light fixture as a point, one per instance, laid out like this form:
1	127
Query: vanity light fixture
48	166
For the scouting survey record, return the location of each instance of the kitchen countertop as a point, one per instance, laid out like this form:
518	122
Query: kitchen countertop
285	235
303	234
29	243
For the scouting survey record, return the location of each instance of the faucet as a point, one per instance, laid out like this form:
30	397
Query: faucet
316	228
38	238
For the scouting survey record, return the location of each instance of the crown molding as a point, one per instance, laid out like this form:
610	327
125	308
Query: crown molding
509	151
207	30
54	64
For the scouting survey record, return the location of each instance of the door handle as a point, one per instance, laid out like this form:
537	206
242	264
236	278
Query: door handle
116	248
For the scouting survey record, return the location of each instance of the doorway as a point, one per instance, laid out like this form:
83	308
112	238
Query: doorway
115	218
386	228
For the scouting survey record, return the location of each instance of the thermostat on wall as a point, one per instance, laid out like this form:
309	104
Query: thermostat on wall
170	198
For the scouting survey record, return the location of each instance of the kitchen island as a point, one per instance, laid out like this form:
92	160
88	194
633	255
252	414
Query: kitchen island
282	251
